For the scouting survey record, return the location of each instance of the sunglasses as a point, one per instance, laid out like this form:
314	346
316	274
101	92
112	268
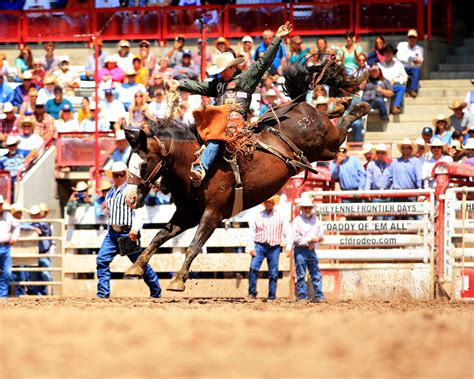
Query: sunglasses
118	175
436	147
380	152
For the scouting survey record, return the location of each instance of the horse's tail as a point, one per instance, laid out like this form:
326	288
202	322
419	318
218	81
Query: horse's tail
300	77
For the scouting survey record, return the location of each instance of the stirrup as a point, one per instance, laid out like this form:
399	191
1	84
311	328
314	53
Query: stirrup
197	175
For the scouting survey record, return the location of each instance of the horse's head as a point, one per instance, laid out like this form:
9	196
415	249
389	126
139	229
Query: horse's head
144	166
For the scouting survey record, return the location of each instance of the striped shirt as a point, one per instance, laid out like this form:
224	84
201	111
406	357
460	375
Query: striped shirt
119	212
270	228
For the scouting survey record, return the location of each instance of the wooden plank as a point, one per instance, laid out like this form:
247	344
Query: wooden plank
375	255
361	209
25	247
36	283
35	269
223	262
458	252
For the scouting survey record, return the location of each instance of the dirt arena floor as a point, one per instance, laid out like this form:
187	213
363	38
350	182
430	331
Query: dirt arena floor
234	338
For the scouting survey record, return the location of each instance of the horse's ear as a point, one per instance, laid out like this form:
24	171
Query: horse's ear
136	139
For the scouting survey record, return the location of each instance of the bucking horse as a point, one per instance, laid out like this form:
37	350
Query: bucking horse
288	139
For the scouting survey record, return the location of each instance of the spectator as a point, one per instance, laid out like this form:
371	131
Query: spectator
441	123
123	149
124	57
271	101
90	62
85	112
376	54
143	75
186	70
99	201
362	68
4	66
196	56
268	85
79	196
43	229
469	100
9	233
248	51
54	106
348	171
8	122
20	94
221	45
29	107
455	150
66	122
421	152
411	56
38	73
137	110
123	222
308	233
29	141
47	92
24	62
280	58
297	52
377	92
368	152
349	53
175	55
437	147
68	79
458	115
375	171
156	83
157	107
164	68
394	72
323	52
45	127
111	74
113	111
126	91
469	149
404	172
148	59
427	134
321	104
50	60
266	237
6	91
13	160
89	125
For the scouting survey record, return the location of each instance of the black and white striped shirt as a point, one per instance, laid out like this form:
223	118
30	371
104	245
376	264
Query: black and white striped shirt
118	211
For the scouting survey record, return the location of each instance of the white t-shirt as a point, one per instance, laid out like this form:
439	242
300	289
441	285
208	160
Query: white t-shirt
427	168
407	55
112	111
33	141
67	126
394	71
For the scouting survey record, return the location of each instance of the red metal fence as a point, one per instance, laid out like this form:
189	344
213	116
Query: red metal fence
320	17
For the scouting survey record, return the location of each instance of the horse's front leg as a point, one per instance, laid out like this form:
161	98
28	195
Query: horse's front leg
207	225
169	231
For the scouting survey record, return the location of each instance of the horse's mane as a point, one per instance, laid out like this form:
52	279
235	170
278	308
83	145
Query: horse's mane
168	128
298	78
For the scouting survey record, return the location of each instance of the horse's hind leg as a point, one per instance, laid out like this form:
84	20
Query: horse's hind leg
358	111
169	231
207	225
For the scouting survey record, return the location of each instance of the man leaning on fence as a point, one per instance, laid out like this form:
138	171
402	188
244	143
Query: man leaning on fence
9	233
267	232
123	222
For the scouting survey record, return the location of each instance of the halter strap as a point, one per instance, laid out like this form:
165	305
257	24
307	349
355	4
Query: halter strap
148	182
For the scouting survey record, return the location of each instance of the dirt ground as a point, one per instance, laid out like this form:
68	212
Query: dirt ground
234	338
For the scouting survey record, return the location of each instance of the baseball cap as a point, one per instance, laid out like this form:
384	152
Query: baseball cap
412	33
247	39
66	108
180	39
427	130
187	53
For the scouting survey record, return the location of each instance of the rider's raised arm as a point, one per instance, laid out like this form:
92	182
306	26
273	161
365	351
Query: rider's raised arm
199	88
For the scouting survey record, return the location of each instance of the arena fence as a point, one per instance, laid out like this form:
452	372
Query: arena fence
78	23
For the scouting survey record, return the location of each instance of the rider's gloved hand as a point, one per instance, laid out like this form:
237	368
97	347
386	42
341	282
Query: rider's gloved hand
172	85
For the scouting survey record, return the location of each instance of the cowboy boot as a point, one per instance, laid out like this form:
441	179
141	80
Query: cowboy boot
197	174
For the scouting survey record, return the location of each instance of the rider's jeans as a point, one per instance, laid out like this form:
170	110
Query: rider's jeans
210	153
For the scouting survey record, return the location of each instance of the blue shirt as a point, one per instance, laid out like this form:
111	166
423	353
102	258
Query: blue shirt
6	92
11	162
375	170
447	138
18	94
300	57
350	173
53	108
121	156
403	174
262	48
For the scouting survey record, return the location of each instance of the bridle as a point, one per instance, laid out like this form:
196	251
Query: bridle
149	182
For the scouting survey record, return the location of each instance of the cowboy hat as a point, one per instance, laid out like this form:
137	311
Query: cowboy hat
441	117
367	148
6	206
64	58
80	187
44	208
27	75
455	104
321	100
224	61
27	120
7	107
412	33
456	145
105	185
116	167
275	199
436	142
16	208
222	40
12	140
271	92
381	147
406	141
124	43
131	71
305	200
34	210
420	141
247	39
469	145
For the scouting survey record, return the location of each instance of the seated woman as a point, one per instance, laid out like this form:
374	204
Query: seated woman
376	54
441	123
137	110
377	91
28	107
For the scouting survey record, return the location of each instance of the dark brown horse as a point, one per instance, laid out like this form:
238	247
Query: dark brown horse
171	147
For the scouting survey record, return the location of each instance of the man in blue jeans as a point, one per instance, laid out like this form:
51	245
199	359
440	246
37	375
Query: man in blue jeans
9	233
267	231
122	222
307	233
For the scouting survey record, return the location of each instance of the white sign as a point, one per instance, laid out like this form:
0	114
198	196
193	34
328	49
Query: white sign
372	226
396	209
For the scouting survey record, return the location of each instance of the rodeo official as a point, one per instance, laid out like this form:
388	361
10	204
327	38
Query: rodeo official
9	233
122	223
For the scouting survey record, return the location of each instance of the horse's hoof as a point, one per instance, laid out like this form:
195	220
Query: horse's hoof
360	110
133	273
176	285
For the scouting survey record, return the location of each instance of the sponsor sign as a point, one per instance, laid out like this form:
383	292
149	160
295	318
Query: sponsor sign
395	209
